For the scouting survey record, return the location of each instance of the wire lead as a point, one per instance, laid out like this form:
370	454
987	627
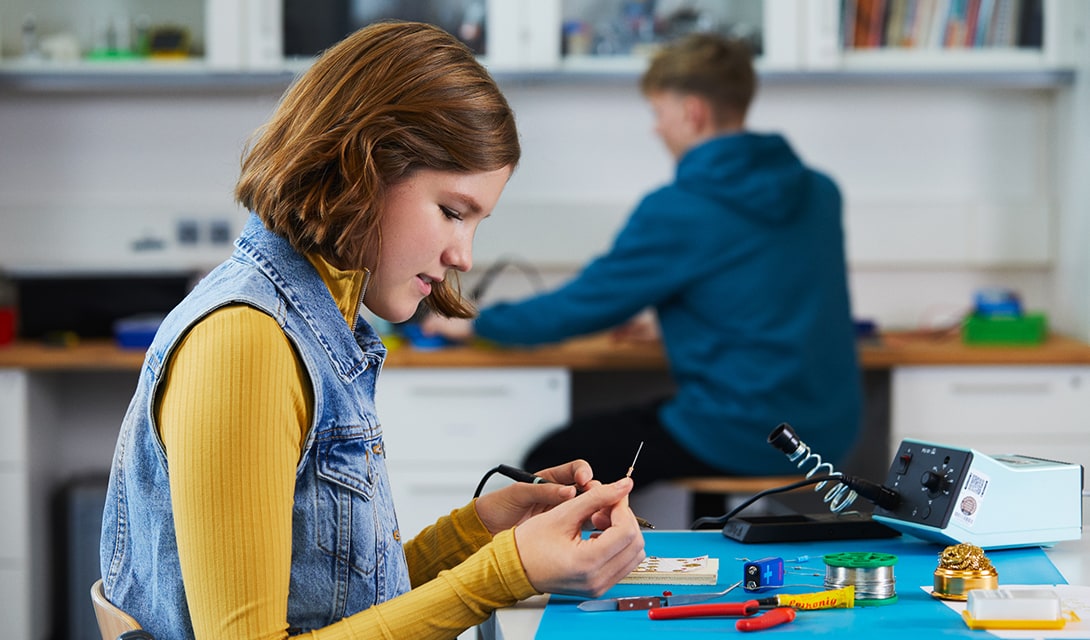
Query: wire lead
633	465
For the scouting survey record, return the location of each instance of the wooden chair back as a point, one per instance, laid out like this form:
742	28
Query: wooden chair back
112	622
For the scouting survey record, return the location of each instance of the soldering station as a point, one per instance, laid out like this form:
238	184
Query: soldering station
935	492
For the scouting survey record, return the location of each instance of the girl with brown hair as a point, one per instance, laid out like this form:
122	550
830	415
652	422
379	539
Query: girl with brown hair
249	496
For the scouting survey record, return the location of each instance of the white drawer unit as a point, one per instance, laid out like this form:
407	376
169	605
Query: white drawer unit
15	529
1040	411
13	416
14	533
16	600
445	428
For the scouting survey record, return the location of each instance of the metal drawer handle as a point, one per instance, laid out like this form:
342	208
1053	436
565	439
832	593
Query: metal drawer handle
446	391
1001	388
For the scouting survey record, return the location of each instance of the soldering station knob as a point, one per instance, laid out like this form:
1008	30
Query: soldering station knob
933	481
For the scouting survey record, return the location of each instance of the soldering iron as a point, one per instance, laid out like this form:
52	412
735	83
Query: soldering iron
521	475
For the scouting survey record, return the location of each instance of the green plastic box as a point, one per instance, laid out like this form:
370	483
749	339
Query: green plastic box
1031	328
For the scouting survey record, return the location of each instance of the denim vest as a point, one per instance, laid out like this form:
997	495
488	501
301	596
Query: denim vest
346	547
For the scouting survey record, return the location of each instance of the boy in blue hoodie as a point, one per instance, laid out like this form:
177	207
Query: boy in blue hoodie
742	260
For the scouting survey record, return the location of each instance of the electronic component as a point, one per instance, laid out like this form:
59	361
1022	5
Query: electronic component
762	574
952	495
632	466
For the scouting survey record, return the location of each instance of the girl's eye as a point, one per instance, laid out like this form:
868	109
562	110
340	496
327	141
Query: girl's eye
450	213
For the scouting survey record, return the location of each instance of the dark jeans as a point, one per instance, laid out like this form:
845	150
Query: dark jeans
608	441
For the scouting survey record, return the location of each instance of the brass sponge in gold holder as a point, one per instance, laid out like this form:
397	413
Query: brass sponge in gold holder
962	568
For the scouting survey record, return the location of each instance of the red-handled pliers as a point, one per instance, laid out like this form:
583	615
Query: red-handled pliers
767	620
777	616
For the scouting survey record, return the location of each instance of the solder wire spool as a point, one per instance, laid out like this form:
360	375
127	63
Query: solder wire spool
870	573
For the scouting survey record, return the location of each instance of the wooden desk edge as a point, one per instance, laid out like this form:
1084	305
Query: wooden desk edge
594	353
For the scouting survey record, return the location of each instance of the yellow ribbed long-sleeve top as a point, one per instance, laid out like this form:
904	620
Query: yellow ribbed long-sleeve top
233	416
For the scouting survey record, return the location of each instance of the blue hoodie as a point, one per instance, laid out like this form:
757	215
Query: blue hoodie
742	258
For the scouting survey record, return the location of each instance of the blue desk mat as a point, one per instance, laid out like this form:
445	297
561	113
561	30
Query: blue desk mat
915	614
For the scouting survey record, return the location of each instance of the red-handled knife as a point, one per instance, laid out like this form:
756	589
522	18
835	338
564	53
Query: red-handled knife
767	620
747	608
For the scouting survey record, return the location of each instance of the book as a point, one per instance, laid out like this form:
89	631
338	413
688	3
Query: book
658	570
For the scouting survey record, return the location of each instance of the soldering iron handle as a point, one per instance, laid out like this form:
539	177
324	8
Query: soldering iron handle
879	494
518	475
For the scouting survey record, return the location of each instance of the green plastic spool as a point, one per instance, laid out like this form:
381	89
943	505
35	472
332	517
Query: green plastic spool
860	560
864	560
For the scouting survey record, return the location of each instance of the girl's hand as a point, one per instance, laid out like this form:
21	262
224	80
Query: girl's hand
457	329
512	505
558	559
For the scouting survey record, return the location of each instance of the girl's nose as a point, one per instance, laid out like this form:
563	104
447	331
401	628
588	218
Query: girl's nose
460	254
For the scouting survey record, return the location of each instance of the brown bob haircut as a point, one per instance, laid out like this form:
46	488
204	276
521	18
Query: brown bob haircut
707	65
388	100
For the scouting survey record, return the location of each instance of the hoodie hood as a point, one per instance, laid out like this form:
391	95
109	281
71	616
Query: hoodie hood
757	175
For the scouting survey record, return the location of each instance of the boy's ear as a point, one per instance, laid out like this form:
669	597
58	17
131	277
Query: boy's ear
698	113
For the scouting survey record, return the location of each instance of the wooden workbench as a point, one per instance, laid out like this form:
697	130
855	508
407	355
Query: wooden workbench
597	352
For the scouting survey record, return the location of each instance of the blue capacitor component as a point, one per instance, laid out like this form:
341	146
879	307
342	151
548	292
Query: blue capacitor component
762	574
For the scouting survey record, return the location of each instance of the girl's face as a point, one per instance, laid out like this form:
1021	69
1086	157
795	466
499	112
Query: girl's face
427	228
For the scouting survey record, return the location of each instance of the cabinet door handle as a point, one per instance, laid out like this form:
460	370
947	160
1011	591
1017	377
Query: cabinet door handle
1001	388
448	391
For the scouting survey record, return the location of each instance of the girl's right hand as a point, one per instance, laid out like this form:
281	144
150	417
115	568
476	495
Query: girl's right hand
558	559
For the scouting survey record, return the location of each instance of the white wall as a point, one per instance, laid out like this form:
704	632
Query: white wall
930	173
1072	282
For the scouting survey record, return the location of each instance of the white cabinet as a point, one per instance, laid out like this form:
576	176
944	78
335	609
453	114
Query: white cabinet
817	35
445	428
35	33
566	35
615	35
1041	411
15	591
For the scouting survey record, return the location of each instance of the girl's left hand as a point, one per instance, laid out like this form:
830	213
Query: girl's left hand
512	505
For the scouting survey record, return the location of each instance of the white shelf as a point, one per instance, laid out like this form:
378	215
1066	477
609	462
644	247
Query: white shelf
135	75
144	77
946	60
801	44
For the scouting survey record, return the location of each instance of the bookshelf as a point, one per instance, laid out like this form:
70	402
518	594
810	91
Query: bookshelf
944	35
942	24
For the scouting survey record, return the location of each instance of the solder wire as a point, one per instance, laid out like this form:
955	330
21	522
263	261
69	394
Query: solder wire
870	573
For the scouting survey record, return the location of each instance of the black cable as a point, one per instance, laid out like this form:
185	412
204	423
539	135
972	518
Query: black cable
722	520
503	262
516	474
480	486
